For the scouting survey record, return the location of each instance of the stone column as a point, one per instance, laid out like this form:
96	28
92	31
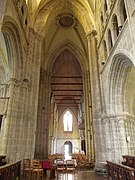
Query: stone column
13	124
44	116
51	145
130	133
33	74
89	134
95	95
6	123
51	128
116	130
19	126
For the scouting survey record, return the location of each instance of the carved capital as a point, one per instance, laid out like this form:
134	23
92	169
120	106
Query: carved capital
92	34
36	34
19	83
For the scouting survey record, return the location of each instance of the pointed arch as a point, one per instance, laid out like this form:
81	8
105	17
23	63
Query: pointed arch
110	43
68	121
105	6
115	26
105	49
64	111
12	36
122	11
76	51
119	72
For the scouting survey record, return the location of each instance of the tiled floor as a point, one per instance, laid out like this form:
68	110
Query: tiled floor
80	175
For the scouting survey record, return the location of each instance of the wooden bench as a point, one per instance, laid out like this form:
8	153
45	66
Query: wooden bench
10	171
119	172
129	161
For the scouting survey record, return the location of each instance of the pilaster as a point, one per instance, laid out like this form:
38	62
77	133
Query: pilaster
95	95
44	117
119	136
89	133
33	73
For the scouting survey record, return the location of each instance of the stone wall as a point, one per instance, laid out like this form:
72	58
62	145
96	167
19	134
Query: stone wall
63	136
115	75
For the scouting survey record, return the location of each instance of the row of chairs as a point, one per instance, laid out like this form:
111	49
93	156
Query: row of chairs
65	166
32	170
82	162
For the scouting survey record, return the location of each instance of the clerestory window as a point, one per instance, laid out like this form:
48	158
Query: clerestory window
67	120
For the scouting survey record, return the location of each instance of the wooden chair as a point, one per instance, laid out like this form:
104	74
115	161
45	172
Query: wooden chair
70	166
27	170
60	165
37	171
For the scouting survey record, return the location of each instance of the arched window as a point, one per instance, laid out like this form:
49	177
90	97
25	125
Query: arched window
105	6
115	27
110	44
67	120
102	21
123	13
105	49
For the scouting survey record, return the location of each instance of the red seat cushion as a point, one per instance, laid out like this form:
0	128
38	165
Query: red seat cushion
46	165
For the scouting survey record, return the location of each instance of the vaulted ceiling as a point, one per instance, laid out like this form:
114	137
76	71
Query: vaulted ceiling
66	82
64	25
36	3
43	12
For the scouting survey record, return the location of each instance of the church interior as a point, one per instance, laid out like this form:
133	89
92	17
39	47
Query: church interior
67	80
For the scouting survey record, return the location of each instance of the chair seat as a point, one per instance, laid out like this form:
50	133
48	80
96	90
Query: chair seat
70	169
70	166
60	168
37	170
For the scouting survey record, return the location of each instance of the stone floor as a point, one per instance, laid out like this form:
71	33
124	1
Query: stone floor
79	175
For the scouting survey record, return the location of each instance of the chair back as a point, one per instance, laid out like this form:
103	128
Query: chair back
70	163
26	163
36	164
60	165
60	162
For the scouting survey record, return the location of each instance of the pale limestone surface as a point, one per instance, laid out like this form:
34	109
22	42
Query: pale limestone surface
32	42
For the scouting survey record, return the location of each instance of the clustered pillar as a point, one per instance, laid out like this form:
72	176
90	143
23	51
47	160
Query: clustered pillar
95	105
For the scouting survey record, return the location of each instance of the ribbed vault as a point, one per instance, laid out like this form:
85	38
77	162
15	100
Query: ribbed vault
48	10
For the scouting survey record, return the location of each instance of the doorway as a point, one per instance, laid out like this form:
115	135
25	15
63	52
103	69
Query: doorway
67	150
